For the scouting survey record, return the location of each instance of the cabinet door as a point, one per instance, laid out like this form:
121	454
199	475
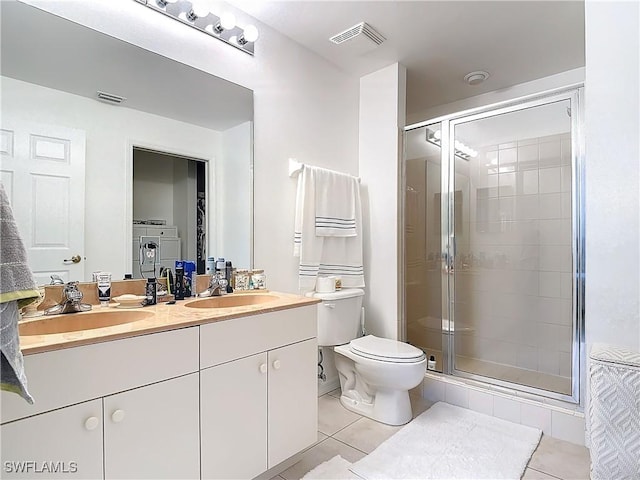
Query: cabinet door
292	399
64	443
153	431
234	418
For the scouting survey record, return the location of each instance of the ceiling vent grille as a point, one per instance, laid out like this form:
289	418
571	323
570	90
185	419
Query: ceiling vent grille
361	29
110	98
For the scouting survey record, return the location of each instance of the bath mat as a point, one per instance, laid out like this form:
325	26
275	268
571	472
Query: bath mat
449	442
335	469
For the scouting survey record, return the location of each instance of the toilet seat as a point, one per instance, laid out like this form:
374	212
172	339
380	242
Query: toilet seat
386	350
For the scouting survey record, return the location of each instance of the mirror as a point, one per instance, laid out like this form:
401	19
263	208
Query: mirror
68	159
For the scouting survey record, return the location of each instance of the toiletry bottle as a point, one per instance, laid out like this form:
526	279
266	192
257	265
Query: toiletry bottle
179	285
229	276
150	291
210	266
431	363
220	268
104	288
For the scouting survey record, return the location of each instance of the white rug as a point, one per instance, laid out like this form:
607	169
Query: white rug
446	442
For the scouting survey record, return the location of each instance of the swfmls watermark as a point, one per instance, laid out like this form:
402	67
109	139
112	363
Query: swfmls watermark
42	466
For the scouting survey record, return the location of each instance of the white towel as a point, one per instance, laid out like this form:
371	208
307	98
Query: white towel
335	203
325	255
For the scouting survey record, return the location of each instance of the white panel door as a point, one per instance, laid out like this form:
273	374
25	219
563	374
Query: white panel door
292	399
43	173
64	443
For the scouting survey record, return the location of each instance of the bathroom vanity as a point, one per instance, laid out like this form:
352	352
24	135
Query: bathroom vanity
226	392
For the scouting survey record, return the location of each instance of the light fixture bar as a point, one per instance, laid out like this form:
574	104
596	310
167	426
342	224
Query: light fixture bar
219	27
460	149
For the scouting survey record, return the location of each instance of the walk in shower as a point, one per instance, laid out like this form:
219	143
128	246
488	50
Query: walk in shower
493	244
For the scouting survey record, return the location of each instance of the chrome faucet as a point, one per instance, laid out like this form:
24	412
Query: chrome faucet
71	301
217	287
56	280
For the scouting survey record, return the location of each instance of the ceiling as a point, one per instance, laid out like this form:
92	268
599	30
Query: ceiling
439	42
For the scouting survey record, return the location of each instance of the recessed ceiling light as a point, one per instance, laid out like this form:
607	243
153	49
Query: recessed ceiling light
475	78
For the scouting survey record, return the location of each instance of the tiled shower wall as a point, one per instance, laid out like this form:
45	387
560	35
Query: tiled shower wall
514	262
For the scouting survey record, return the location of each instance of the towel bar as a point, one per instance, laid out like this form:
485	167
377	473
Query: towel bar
296	167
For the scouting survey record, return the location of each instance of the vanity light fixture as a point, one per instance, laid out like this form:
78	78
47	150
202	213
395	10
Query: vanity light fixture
460	149
196	14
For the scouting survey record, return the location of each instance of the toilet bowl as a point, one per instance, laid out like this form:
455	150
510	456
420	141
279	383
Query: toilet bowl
376	375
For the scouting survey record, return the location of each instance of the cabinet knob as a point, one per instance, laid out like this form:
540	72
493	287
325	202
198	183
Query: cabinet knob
263	368
117	416
91	423
277	364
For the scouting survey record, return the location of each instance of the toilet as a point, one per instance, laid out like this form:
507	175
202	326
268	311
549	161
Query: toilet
376	374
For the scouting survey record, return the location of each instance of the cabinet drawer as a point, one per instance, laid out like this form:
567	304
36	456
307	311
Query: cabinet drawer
73	375
240	337
162	231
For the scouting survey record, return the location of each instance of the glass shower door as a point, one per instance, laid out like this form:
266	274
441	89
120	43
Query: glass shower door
512	283
423	277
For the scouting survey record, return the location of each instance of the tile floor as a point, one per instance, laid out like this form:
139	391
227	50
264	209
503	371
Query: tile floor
352	436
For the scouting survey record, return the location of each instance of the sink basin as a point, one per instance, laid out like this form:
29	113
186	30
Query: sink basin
74	322
231	301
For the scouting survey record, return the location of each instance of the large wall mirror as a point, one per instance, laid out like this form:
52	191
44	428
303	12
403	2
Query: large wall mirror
88	176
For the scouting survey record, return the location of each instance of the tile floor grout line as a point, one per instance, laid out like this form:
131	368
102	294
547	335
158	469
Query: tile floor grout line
338	431
546	473
350	446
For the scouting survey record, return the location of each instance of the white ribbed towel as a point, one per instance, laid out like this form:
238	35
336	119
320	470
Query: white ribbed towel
325	255
335	203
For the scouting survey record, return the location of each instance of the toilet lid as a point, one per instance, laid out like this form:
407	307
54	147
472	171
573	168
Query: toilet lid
385	349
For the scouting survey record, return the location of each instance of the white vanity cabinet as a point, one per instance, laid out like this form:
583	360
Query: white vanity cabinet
121	409
227	399
258	391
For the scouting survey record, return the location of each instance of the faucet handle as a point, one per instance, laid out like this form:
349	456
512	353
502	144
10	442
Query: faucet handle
72	293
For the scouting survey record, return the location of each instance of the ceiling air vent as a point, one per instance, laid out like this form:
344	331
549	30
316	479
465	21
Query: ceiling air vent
361	30
110	98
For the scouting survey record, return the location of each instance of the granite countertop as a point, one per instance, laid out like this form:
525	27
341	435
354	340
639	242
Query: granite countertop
157	318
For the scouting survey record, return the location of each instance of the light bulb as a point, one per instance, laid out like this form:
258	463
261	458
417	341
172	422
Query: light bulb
228	20
198	10
250	33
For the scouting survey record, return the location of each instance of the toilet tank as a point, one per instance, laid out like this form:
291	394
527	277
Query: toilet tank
338	316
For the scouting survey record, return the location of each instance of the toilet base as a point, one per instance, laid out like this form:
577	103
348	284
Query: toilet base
392	407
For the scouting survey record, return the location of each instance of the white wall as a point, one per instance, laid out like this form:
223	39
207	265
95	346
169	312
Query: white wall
612	173
382	116
233	195
109	131
304	108
153	181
